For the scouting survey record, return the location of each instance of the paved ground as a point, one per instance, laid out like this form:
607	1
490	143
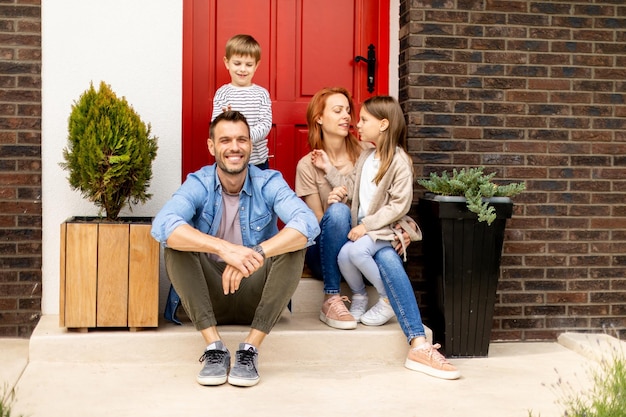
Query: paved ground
515	379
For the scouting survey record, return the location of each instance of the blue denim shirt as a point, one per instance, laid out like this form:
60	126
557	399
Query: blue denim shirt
265	197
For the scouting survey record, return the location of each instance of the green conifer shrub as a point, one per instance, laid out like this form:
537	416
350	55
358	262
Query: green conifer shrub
475	186
109	151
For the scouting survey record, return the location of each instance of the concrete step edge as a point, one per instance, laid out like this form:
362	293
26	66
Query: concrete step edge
297	338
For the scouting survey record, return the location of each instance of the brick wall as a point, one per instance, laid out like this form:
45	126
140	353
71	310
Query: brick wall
20	166
536	91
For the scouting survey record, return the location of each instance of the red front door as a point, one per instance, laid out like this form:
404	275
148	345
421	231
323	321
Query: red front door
306	45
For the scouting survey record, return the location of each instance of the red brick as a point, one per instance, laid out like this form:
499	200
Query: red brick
523	323
567	298
588	310
610	324
548	310
527	96
570	97
506	6
567	247
506	335
549	84
540	335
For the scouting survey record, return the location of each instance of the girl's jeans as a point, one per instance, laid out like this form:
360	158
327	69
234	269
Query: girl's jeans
400	292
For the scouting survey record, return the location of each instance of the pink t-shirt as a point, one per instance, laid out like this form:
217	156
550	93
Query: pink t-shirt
230	229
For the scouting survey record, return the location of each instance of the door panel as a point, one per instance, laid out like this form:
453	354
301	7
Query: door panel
251	17
327	45
306	45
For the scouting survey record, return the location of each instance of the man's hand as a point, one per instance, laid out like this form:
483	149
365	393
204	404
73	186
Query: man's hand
242	262
231	279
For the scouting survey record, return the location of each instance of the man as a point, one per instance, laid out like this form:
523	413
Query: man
224	253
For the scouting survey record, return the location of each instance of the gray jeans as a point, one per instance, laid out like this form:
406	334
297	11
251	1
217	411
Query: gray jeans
259	302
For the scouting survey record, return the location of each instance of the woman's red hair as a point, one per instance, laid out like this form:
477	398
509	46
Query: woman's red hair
315	110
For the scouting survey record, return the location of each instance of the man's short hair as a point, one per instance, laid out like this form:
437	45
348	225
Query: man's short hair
244	45
228	116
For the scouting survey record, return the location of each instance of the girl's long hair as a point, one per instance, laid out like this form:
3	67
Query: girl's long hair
387	107
315	110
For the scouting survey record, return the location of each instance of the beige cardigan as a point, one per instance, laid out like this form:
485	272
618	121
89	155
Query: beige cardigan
390	204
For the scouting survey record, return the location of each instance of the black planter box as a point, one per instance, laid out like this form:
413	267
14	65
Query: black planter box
462	262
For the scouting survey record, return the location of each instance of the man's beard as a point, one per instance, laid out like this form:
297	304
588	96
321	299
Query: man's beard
233	171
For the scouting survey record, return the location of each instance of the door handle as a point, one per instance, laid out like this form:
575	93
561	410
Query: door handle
371	66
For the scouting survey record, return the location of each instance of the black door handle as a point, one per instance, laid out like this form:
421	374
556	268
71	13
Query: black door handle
371	67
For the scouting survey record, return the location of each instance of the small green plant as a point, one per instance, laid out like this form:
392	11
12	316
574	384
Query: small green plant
109	151
475	186
607	398
607	395
7	398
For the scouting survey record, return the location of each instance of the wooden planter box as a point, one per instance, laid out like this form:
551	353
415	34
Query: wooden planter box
109	274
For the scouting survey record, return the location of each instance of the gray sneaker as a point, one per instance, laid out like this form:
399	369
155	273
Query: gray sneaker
216	365
244	373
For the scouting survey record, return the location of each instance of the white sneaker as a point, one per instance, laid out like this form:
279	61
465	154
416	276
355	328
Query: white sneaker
379	314
359	305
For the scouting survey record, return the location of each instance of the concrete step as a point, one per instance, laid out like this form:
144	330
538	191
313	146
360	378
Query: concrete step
298	337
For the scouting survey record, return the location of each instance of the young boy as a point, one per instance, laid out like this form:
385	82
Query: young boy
243	54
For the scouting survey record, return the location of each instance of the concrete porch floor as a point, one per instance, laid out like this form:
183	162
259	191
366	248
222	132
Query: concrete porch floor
514	379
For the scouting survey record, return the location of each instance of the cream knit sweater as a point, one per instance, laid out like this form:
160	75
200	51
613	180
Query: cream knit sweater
390	204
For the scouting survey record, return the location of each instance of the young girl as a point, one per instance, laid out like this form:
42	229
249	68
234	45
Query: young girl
381	190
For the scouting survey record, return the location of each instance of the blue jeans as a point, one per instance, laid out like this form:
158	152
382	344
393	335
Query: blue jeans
321	258
400	292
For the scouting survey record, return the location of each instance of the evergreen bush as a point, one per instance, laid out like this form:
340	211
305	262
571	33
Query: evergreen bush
475	186
109	151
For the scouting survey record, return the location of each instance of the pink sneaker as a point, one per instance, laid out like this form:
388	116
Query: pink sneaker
335	314
427	359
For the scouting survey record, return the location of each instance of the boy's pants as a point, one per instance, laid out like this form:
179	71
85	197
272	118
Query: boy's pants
259	301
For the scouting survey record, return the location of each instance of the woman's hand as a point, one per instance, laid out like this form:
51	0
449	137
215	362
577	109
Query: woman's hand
357	232
338	195
320	160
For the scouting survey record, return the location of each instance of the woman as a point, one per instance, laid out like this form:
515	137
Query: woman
329	119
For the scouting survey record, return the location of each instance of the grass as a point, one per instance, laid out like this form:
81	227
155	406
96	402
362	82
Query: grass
605	398
7	398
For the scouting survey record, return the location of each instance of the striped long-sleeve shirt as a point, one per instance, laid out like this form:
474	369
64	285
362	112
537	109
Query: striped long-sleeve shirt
255	104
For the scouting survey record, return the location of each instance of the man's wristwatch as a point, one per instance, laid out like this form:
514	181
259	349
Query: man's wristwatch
258	249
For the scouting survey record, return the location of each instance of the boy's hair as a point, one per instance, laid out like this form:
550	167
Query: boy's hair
244	45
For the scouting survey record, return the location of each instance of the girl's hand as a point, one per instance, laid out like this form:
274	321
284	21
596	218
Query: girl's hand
357	232
338	195
320	160
397	245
